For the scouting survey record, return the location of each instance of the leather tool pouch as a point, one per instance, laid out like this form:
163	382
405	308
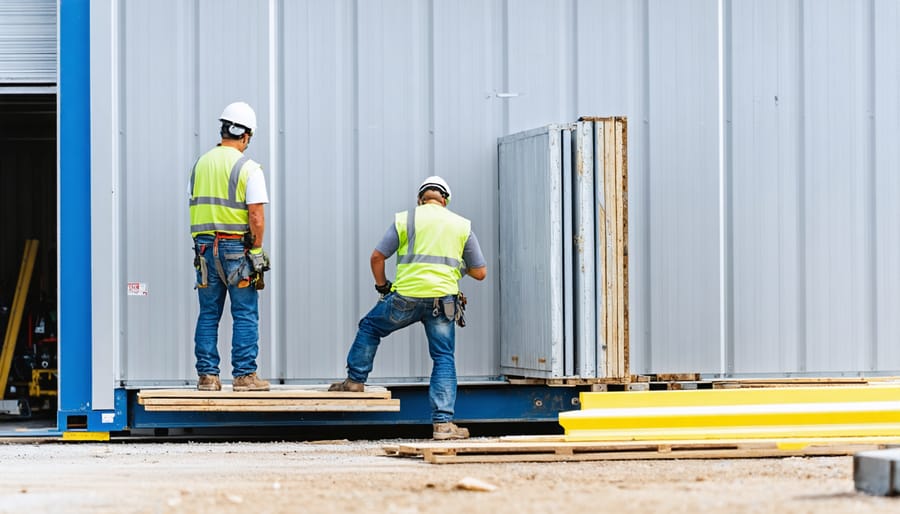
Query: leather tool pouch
200	266
461	301
449	306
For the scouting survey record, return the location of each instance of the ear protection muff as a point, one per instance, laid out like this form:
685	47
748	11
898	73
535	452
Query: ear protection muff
236	130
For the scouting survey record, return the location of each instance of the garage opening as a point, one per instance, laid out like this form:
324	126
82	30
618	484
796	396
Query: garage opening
28	204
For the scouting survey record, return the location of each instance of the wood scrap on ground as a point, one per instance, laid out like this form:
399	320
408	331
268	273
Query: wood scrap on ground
546	450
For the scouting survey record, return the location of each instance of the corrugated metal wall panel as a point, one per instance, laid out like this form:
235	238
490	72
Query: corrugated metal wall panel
886	88
540	63
837	186
684	212
317	202
766	153
27	42
531	232
358	101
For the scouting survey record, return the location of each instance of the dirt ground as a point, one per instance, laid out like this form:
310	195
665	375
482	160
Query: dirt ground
355	476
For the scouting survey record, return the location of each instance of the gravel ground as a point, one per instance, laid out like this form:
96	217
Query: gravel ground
345	476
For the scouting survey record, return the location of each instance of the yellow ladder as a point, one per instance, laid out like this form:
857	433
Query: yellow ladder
15	315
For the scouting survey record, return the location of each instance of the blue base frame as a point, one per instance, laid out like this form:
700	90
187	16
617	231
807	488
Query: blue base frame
487	404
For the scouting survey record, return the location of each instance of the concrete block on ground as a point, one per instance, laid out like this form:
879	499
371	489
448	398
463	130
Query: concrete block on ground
877	472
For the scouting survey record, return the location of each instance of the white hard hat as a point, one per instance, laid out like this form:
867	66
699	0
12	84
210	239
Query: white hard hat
438	183
240	113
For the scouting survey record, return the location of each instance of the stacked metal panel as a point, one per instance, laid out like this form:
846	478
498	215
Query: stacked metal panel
563	255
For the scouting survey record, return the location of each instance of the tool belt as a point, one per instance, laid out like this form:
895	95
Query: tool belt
454	308
202	266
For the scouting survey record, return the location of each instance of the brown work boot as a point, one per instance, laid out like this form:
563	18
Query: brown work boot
348	385
209	383
249	382
444	431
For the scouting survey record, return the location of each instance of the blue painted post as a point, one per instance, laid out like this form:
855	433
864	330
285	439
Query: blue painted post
74	104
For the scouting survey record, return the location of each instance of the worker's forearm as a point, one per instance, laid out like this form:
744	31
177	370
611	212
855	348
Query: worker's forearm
257	223
376	261
477	273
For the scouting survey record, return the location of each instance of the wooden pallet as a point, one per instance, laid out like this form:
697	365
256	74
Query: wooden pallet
279	399
558	450
689	381
576	381
798	382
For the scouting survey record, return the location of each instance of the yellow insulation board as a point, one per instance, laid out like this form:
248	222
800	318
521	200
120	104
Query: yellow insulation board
872	411
831	394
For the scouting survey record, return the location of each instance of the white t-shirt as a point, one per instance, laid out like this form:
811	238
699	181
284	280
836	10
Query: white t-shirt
256	187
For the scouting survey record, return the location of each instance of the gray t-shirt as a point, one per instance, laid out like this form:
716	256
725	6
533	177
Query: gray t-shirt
472	255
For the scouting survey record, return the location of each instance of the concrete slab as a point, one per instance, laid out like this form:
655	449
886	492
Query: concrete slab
877	472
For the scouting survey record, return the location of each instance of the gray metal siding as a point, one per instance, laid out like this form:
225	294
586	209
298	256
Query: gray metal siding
531	244
358	101
683	173
27	42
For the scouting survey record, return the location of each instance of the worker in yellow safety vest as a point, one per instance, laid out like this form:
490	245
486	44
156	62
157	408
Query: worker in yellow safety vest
227	198
434	248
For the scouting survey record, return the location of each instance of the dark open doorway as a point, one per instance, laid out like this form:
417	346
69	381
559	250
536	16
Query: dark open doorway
28	206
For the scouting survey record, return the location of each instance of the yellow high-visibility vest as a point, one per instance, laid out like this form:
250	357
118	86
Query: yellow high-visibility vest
219	192
429	258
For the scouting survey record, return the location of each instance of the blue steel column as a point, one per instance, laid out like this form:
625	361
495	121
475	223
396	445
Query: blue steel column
74	221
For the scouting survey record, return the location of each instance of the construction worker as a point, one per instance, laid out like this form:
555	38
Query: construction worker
434	247
227	197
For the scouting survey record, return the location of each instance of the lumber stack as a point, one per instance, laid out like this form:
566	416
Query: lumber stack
563	222
278	399
611	140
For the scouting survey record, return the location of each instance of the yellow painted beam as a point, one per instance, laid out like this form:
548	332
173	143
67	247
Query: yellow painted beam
847	419
85	436
783	433
773	395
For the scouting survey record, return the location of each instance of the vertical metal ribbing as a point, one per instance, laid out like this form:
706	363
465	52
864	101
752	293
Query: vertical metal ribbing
583	242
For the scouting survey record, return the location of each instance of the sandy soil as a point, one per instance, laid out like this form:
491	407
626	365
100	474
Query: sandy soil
341	476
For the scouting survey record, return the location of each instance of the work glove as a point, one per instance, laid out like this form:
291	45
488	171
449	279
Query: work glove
385	288
259	259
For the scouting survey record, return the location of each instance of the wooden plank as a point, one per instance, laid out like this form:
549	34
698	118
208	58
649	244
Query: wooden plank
640	455
622	168
275	408
621	246
511	450
611	315
779	382
373	393
675	377
601	244
18	308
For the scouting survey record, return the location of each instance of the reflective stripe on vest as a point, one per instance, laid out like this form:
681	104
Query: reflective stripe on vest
429	258
213	213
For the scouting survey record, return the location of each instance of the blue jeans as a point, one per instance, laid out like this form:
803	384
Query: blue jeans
394	312
244	309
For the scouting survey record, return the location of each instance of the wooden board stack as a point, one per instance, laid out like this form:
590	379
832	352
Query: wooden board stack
279	399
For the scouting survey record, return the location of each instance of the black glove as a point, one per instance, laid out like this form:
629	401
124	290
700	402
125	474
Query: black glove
384	288
259	259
